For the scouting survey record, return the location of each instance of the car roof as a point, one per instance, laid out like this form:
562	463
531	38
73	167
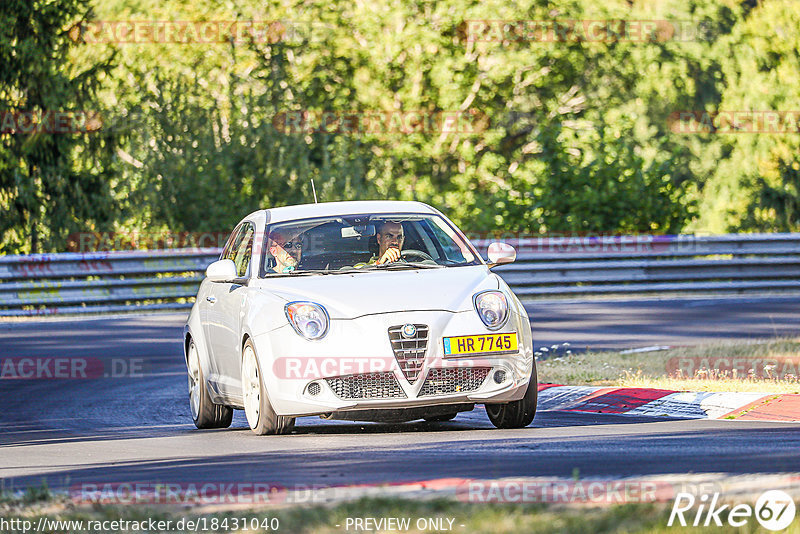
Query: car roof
323	209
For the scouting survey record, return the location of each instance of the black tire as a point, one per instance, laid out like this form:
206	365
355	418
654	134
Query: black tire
266	421
516	414
205	413
441	418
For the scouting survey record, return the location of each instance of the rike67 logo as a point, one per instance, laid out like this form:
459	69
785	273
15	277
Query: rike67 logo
774	510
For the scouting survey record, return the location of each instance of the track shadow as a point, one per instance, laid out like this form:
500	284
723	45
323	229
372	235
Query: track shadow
637	451
22	434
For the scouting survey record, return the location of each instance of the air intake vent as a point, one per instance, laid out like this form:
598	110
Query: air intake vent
453	380
409	343
367	386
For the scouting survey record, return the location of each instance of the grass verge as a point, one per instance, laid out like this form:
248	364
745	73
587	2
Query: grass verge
459	517
763	366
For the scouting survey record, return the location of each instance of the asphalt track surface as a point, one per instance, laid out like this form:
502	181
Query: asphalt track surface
138	429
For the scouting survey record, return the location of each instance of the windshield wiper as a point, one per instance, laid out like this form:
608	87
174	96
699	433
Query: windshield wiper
319	271
408	265
293	273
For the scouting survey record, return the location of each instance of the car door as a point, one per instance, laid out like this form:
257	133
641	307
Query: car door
207	298
226	301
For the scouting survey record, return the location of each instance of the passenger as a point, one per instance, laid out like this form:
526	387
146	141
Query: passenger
287	249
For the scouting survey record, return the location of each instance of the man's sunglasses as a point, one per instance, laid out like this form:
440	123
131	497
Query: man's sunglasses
290	244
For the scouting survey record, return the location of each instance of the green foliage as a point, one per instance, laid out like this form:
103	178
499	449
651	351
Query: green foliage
570	136
755	186
37	493
50	183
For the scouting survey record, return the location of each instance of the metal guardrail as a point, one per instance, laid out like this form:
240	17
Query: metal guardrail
724	264
102	282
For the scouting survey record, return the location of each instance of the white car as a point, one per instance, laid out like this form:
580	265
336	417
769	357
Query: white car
370	311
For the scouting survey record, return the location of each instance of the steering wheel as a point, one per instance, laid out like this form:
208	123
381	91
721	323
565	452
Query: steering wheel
415	254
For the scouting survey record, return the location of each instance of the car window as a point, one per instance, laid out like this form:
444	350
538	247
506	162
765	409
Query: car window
243	249
233	241
343	243
453	248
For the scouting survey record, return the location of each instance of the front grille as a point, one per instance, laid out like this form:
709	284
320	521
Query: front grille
453	380
367	386
409	352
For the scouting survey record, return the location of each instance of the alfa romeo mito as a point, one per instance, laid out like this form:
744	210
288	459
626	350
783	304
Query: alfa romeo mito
369	311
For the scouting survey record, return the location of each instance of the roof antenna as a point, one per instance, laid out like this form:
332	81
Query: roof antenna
314	189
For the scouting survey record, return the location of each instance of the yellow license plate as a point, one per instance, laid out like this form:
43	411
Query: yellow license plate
485	343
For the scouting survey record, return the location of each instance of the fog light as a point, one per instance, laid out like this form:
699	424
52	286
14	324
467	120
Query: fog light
499	376
314	389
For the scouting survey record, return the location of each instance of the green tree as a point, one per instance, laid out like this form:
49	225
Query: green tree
52	183
201	123
753	186
572	135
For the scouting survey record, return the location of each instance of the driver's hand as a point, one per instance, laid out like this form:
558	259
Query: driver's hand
284	257
392	254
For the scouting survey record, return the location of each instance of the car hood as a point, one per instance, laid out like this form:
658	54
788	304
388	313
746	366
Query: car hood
346	296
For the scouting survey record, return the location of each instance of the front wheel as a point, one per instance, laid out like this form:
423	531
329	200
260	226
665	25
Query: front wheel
260	415
205	413
516	414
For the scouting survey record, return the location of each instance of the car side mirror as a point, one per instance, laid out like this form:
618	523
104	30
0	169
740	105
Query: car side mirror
500	253
221	271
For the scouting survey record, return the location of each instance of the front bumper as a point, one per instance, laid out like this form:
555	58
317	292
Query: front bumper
354	366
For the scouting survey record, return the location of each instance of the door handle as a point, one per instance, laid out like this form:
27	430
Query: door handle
212	300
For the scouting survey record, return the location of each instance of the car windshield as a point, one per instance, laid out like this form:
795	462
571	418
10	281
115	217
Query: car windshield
359	243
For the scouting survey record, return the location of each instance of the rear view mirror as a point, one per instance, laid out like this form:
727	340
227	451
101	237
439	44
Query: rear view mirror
500	253
361	230
221	271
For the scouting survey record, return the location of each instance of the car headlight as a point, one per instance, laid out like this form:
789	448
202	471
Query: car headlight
308	319
492	308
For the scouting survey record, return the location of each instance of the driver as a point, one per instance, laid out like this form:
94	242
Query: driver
390	241
287	249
